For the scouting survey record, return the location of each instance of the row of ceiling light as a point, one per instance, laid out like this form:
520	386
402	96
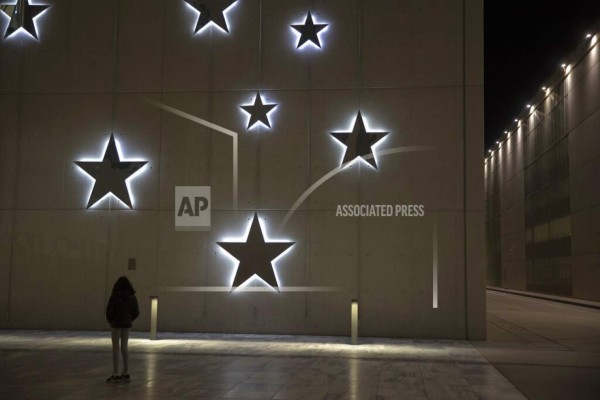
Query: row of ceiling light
567	68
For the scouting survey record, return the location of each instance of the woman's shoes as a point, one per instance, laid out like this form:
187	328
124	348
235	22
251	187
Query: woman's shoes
118	378
114	379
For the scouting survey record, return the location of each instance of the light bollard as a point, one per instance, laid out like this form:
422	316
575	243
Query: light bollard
354	322
153	317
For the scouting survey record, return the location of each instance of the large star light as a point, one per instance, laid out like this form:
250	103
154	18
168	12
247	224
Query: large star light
309	32
110	175
258	112
255	256
211	11
359	143
22	15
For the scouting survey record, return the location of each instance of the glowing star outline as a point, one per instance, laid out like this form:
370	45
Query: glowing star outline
359	143
309	31
259	112
22	15
255	256
211	11
120	172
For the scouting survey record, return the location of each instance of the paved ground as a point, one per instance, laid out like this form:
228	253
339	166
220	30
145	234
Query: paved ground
548	350
73	365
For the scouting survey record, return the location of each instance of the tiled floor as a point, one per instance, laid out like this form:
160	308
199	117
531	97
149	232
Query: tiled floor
549	350
73	365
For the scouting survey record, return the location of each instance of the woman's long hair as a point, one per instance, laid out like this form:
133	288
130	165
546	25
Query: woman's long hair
123	286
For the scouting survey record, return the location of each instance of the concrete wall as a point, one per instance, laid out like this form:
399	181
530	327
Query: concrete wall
414	68
583	119
512	200
582	124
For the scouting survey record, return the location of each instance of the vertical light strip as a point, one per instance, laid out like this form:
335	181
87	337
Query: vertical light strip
464	118
235	172
435	263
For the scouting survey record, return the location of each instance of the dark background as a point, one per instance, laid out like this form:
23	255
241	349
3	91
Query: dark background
526	41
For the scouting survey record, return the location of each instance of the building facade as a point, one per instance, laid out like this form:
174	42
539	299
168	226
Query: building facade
543	207
286	116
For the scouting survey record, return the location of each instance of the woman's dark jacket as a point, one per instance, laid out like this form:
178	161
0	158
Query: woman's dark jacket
122	310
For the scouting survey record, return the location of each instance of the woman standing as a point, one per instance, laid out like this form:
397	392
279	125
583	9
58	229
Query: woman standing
121	311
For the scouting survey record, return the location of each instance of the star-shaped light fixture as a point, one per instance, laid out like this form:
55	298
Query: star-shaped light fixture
259	112
111	175
22	15
255	256
211	11
359	142
309	32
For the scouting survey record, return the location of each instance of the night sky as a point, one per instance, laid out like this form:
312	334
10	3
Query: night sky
526	41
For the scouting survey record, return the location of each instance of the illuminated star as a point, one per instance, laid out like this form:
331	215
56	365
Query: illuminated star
258	112
211	11
110	175
309	31
255	256
359	142
21	16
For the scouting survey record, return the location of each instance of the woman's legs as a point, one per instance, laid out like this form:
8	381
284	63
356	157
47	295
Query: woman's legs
121	335
114	335
124	350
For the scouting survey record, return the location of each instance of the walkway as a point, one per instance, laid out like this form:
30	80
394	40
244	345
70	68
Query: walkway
53	365
546	349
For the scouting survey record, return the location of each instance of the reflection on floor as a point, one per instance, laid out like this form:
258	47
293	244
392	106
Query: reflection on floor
549	350
73	365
